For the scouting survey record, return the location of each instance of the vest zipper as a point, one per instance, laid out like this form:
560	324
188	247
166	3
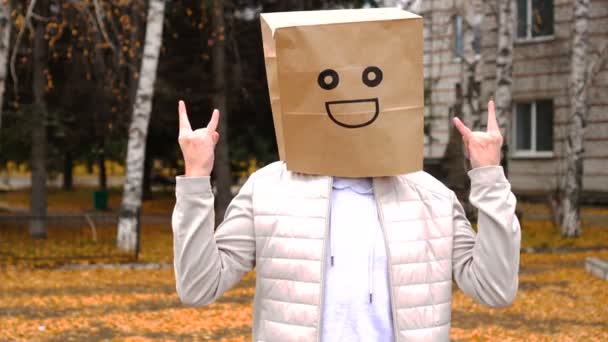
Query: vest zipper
324	255
388	254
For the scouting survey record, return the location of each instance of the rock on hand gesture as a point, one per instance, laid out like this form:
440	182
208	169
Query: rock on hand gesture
197	146
482	148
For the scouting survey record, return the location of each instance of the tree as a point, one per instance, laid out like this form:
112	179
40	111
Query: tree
39	120
222	174
407	5
571	221
504	72
136	147
5	33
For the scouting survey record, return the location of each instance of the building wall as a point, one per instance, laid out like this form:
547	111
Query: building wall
541	71
443	68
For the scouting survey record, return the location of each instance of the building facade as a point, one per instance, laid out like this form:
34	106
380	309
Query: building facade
460	69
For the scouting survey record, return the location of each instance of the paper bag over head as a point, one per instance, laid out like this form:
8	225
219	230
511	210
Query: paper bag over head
346	89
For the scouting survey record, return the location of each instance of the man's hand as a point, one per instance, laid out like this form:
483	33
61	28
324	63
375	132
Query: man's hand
197	146
482	148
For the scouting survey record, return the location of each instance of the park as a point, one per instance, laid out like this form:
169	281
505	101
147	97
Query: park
92	151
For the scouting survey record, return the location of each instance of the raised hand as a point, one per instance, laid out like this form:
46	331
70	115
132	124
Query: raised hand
482	148
197	146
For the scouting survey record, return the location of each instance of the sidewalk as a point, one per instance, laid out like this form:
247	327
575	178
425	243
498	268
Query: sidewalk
8	210
19	182
591	219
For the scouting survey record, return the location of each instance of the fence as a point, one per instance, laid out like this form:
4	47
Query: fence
77	238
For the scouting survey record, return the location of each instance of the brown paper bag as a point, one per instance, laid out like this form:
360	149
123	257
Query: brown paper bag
346	89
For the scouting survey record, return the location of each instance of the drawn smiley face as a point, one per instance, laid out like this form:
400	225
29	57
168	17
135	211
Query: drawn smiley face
371	76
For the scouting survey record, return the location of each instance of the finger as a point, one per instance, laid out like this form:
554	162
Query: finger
215	119
464	130
184	123
492	122
216	137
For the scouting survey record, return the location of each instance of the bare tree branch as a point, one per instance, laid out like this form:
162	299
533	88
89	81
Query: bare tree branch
133	68
407	5
95	20
493	8
101	25
28	15
595	64
39	17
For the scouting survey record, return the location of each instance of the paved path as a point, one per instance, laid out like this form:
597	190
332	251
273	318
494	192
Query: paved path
8	211
24	181
590	219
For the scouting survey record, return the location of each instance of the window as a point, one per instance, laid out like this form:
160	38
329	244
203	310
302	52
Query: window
533	128
476	44
534	18
458	37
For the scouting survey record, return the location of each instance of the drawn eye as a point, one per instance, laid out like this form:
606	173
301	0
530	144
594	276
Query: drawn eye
328	79
372	76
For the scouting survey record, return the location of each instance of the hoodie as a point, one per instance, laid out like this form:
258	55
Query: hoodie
357	302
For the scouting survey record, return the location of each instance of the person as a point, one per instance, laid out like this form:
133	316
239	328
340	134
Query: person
347	259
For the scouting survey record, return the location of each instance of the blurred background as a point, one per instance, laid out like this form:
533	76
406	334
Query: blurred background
89	154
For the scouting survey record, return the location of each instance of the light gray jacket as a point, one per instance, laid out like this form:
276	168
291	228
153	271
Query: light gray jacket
278	224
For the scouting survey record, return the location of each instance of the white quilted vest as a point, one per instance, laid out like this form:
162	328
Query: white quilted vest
291	224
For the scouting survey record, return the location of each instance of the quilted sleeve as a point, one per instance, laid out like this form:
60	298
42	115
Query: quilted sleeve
208	263
486	264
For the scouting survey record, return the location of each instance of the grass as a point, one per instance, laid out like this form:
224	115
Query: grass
77	245
557	299
542	234
81	199
115	305
543	208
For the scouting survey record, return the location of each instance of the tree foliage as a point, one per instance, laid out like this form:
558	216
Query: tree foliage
95	48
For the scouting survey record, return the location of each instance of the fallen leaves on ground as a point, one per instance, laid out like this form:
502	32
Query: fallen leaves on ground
543	208
557	301
542	233
79	244
81	199
135	305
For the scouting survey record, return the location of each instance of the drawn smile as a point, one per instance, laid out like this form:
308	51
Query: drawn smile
329	104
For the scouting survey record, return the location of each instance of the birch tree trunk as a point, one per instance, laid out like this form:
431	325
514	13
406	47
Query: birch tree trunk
222	172
127	238
571	223
504	72
38	194
407	5
5	34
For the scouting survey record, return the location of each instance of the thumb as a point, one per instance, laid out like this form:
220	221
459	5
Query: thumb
462	128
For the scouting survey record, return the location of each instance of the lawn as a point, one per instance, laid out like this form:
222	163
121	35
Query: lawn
557	299
81	199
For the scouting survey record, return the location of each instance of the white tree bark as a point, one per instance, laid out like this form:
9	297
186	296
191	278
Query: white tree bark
136	149
407	5
571	223
504	71
5	33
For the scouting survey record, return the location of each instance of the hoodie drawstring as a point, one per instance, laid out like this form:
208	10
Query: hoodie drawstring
371	252
331	241
370	265
331	247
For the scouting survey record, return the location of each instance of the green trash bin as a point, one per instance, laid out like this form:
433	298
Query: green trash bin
100	200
